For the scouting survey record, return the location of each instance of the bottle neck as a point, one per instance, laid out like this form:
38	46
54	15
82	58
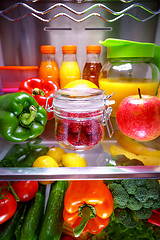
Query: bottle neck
93	57
48	57
69	57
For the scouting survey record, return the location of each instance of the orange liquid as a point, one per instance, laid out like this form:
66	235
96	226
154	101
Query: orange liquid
91	72
49	71
124	87
69	72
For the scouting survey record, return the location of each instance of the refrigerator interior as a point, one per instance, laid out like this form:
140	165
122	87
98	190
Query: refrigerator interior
26	25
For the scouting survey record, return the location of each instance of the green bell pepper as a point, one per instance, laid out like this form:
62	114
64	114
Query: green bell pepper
21	117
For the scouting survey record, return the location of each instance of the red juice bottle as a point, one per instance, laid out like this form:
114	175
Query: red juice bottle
93	64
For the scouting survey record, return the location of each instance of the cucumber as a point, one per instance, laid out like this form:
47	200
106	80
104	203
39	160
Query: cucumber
7	229
33	219
23	155
53	220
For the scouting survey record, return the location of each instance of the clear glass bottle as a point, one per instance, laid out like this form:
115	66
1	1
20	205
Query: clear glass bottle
69	70
93	64
80	115
129	66
49	69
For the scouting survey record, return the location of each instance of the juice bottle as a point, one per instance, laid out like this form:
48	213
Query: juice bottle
93	64
48	68
69	70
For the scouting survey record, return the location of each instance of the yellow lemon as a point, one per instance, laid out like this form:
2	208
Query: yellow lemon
56	153
80	83
73	160
45	161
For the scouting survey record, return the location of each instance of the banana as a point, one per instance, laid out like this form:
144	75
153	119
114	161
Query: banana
132	146
147	160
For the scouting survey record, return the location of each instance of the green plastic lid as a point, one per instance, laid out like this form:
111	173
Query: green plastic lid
117	48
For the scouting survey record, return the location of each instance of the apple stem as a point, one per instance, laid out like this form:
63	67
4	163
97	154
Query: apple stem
139	92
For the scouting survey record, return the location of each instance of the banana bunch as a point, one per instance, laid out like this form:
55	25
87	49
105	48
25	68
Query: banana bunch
134	150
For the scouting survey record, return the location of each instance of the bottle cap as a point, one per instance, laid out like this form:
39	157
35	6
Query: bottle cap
48	49
93	49
69	49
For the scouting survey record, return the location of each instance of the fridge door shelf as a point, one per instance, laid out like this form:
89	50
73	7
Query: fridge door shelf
115	15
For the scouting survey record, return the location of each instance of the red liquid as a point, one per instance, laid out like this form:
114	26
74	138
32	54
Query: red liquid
91	72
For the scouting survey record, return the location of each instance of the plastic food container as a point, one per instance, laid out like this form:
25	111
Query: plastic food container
12	76
80	115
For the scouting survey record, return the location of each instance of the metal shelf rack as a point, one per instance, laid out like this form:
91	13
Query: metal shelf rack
116	14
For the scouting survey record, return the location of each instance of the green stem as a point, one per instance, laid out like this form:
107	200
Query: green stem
27	118
9	188
13	192
37	91
86	212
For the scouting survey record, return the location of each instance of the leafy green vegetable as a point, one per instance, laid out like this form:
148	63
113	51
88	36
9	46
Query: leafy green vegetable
135	198
119	194
143	231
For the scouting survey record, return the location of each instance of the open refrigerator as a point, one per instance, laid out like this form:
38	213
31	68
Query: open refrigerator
26	25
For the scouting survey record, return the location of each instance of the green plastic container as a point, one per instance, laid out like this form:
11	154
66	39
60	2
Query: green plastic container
130	65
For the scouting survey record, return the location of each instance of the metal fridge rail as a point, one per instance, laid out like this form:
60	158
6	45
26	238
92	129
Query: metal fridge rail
81	1
79	173
38	14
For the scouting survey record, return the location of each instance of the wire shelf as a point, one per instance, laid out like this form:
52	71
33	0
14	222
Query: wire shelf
116	15
81	1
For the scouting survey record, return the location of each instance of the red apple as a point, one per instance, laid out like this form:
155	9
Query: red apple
138	117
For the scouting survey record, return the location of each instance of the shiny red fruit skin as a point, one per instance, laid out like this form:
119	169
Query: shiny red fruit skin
8	206
139	118
25	190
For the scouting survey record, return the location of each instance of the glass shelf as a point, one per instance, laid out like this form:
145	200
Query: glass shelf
97	160
87	173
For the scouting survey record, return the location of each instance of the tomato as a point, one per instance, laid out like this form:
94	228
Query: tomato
8	206
25	190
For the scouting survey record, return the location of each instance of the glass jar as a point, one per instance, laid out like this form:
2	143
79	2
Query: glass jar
130	65
80	115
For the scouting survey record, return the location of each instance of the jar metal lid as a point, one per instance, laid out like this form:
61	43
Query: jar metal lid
82	99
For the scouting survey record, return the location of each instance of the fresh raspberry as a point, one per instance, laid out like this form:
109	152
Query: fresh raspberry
73	138
61	130
74	127
92	127
83	139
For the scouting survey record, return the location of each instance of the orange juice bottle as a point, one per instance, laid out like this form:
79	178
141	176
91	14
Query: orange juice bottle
69	70
48	68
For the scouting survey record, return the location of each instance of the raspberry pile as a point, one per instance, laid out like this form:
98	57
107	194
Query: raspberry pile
85	132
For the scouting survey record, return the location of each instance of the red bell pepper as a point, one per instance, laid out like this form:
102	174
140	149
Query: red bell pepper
155	217
40	90
66	238
87	206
